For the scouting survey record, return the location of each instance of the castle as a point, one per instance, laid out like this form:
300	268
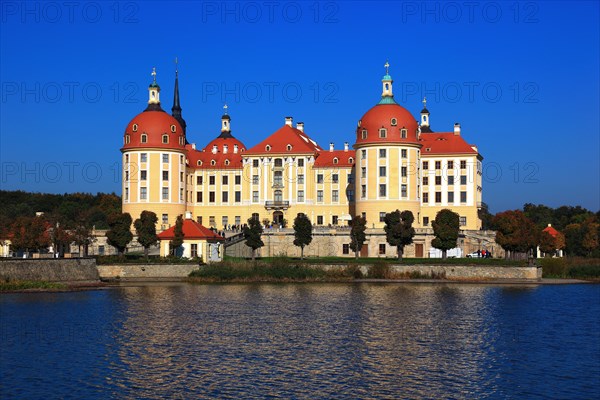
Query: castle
396	162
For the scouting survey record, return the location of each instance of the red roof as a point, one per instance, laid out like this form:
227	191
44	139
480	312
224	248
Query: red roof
550	230
286	135
154	124
382	116
191	230
345	158
220	159
444	143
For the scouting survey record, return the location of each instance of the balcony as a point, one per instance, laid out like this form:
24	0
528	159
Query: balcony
277	205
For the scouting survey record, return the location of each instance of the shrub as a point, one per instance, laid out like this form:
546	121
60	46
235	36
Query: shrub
379	270
554	268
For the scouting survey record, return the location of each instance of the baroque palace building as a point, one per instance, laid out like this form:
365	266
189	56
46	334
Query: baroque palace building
396	162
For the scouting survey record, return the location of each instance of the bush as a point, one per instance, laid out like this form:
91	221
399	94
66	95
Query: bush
379	270
554	268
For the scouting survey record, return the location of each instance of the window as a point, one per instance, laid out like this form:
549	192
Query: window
199	180
404	153
278	163
126	193
403	190
165	175
382	249
319	220
301	162
211	180
450	164
335	160
335	196
363	191
438	197
438	165
382	171
383	133
278	196
238	180
345	248
238	196
212	221
126	158
255	179
364	154
364	133
126	176
143	175
225	180
165	218
255	163
382	153
450	179
463	179
425	165
127	139
425	180
238	220
255	196
180	194
300	196
450	197
403	172
463	164
165	193
334	220
211	197
363	172
335	178
319	196
135	127
143	193
319	178
144	138
301	179
382	190
255	216
268	148
194	250
198	197
165	158
463	221
438	180
382	215
165	139
425	197
225	197
181	176
144	157
463	197
425	221
403	133
224	221
394	122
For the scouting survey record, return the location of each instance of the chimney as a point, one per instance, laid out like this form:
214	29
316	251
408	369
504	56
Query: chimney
457	129
235	149
300	126
288	121
331	146
188	215
214	149
346	146
225	149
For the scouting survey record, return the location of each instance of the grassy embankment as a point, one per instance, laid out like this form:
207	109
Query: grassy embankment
571	268
11	286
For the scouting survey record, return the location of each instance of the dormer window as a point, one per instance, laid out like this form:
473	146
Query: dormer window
268	148
199	163
135	127
403	133
165	139
289	147
144	138
173	128
213	162
127	139
359	122
364	133
351	160
394	122
335	160
226	162
383	133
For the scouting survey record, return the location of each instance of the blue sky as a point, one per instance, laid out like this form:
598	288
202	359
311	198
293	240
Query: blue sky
521	78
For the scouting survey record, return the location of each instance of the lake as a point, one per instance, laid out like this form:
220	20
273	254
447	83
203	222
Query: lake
303	341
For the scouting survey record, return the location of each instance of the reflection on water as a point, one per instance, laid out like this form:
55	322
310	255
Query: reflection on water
303	341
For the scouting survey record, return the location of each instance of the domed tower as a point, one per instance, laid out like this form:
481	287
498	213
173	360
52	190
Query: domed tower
387	159
154	162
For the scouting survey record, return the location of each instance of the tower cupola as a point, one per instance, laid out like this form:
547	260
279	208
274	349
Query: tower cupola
387	96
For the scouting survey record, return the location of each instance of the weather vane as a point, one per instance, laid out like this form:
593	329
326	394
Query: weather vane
154	74
424	102
387	66
225	107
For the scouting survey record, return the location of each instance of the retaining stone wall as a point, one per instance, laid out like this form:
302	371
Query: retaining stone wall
49	269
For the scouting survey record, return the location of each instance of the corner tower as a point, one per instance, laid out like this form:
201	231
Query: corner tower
154	163
387	159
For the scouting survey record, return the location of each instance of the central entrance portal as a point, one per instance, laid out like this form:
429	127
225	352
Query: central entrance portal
277	218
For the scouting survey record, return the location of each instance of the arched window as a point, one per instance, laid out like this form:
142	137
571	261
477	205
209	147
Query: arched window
127	139
383	133
403	133
173	128
351	160
199	163
226	162
165	139
135	127
144	138
335	160
364	133
268	148
213	162
289	147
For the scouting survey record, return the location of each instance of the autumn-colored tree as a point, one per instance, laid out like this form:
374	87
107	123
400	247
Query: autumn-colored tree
29	233
399	231
446	227
61	239
547	244
358	225
177	235
515	232
145	227
589	234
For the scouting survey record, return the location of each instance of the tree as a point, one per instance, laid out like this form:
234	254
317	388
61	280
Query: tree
29	233
398	229
60	238
119	234
515	232
547	244
252	234
589	232
177	235
82	237
486	217
302	232
358	225
446	227
145	228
